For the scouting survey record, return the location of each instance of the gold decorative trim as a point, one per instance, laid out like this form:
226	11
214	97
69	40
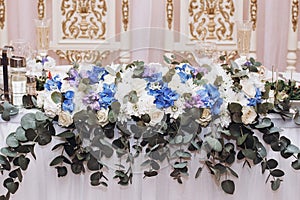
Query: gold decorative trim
41	9
2	14
295	10
125	14
83	19
211	19
169	9
87	56
253	13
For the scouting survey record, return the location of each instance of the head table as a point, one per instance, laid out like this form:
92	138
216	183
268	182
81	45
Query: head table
41	182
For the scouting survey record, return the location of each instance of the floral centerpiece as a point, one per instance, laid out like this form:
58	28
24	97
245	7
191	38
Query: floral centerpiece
161	114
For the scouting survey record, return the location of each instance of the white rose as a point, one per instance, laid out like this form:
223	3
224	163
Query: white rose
249	114
64	119
156	116
51	109
102	116
248	87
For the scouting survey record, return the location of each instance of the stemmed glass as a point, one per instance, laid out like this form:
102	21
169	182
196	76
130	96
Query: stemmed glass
243	37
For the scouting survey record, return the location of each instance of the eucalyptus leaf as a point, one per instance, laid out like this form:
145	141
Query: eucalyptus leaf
292	149
61	171
214	143
21	134
296	164
12	141
277	173
40	116
12	187
56	97
8	152
28	121
66	134
228	186
275	184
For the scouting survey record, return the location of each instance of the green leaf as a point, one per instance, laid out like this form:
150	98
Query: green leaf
292	149
154	165
39	116
228	186
66	134
233	172
61	171
296	164
12	141
8	152
57	160
242	139
198	172
21	134
265	123
214	143
275	184
180	165
5	115
28	121
56	97
12	187
23	162
249	153
277	173
271	164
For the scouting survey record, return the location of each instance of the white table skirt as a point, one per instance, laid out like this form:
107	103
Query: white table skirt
40	181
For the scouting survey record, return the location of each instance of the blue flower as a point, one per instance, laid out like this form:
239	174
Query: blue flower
107	95
210	96
53	83
165	98
256	100
69	94
97	74
68	105
185	72
154	88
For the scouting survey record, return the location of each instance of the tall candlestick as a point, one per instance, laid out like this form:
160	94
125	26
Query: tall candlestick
5	73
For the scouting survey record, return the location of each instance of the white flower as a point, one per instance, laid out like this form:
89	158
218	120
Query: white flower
248	88
249	114
156	116
65	119
177	109
51	108
102	116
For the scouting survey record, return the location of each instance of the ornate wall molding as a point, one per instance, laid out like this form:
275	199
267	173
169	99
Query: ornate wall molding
125	14
41	9
87	56
253	13
169	11
85	19
2	13
211	19
295	12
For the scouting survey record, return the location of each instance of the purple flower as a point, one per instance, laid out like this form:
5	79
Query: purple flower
96	74
44	59
91	100
73	77
194	101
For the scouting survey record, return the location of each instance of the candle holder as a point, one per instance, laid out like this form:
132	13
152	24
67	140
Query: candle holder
42	35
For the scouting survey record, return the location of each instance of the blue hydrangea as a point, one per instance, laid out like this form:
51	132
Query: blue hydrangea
68	104
53	83
165	98
185	72
210	96
96	74
107	95
256	100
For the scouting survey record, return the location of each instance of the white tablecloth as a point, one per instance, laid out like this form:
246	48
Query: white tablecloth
41	182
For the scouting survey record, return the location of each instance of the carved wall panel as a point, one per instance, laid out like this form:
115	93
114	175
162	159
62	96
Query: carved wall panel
83	19
2	14
211	19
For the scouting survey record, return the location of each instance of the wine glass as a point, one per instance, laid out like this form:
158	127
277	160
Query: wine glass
243	37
